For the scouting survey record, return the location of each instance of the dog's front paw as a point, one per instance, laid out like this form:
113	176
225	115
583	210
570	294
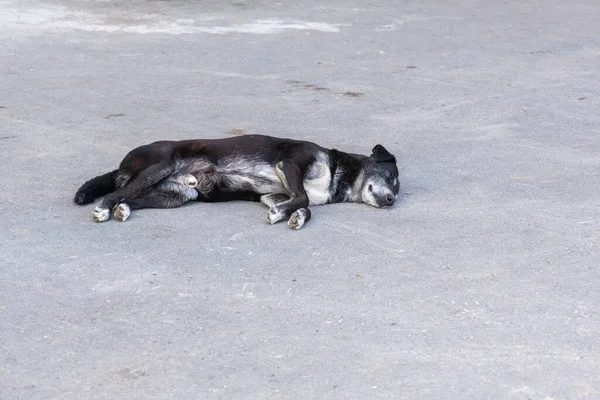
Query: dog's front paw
121	212
274	215
299	218
188	180
101	214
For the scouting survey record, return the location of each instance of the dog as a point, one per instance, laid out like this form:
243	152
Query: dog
285	175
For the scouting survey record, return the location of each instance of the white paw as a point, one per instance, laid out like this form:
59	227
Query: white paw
101	214
188	180
121	212
299	218
274	215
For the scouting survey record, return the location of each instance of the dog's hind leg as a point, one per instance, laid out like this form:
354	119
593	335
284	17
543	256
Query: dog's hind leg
144	180
290	176
166	194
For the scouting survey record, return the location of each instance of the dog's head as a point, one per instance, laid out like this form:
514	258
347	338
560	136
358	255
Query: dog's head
380	185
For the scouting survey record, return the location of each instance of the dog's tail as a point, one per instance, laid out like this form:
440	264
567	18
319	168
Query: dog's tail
96	187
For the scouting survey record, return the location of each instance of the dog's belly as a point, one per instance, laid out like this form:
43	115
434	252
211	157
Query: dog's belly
233	174
260	181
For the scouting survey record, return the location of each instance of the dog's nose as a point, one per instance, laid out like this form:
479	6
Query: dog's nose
389	200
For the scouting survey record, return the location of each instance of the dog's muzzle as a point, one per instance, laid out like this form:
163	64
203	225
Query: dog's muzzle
385	201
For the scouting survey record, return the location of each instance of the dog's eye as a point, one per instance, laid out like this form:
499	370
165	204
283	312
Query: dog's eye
370	188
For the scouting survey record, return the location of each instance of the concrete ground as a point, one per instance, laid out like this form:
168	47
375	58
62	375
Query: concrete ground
481	283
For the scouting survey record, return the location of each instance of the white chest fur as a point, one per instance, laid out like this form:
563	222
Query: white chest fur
317	181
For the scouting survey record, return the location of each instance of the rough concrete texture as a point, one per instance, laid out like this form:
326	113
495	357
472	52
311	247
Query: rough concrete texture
481	283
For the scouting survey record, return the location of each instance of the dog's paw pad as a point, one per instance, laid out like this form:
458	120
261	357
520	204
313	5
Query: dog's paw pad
122	212
299	218
101	214
274	215
188	180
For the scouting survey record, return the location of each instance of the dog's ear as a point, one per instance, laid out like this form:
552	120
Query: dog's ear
380	154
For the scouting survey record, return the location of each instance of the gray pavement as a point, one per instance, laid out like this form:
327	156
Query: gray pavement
481	283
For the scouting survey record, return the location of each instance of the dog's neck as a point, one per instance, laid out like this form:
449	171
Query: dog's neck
346	176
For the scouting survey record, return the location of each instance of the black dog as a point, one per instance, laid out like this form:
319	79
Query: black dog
285	175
